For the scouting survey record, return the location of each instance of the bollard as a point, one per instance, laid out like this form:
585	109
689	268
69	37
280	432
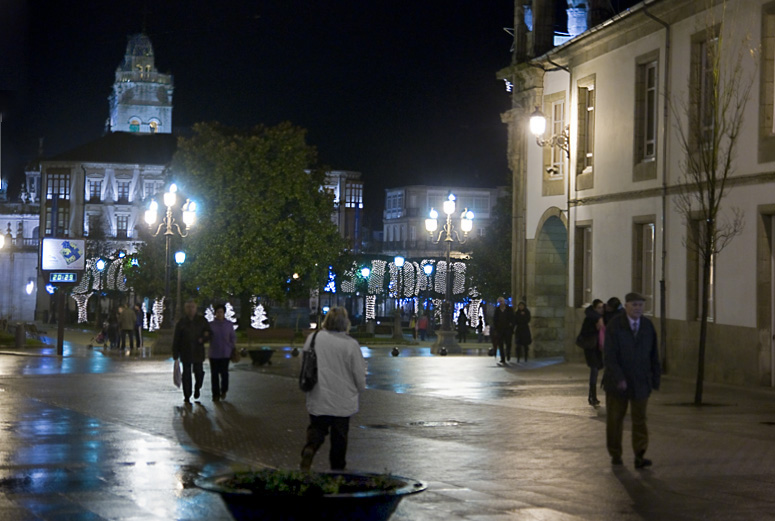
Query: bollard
20	335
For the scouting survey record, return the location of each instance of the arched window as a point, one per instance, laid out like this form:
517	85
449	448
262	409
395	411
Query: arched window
134	125
154	126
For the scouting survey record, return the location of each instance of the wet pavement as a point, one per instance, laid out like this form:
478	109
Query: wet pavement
103	435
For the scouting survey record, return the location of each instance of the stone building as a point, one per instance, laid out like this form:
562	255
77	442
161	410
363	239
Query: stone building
597	206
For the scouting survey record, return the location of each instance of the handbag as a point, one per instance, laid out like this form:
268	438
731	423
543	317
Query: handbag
176	377
235	356
308	377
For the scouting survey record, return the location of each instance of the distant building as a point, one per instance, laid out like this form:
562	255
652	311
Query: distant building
407	207
18	260
347	189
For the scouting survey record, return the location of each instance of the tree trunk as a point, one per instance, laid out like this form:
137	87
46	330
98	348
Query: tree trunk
705	286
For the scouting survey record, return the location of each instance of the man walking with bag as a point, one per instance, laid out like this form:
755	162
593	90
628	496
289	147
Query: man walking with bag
188	345
632	370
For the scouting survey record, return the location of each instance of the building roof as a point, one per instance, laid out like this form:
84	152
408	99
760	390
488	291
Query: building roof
126	148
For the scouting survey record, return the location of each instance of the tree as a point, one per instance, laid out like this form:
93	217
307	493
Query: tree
262	213
490	264
708	126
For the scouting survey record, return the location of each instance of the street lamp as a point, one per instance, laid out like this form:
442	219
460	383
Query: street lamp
427	269
538	129
171	227
180	258
446	339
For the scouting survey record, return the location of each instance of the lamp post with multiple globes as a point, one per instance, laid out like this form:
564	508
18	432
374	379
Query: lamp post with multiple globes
445	339
170	227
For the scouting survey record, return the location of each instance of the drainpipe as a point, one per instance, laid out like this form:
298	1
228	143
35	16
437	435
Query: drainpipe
663	226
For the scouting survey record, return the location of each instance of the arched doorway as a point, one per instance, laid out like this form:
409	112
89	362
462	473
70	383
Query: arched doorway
551	287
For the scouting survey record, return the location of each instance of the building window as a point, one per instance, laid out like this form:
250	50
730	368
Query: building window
556	169
134	125
697	230
646	115
122	222
703	87
586	126
58	186
61	220
583	265
643	263
95	191
154	127
151	188
123	192
353	195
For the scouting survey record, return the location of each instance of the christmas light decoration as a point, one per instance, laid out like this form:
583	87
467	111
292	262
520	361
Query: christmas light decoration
371	307
376	276
259	319
458	277
157	314
409	280
81	300
112	271
228	314
441	277
331	284
145	314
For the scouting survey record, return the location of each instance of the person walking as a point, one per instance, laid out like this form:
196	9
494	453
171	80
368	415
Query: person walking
503	324
632	371
462	325
223	342
188	345
126	321
139	325
591	339
341	379
422	325
522	334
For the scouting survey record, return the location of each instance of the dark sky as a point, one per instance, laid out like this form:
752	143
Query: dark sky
402	91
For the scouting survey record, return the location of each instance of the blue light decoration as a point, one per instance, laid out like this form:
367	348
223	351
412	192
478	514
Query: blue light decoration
50	289
100	264
331	284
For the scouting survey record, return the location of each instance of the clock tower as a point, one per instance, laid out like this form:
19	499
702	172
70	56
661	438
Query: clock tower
142	97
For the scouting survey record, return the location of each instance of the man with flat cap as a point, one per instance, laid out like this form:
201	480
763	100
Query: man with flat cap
632	370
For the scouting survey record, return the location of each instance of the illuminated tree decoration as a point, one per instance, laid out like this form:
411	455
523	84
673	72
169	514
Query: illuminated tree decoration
157	314
410	281
120	278
393	283
371	307
458	277
81	300
112	272
83	286
441	277
475	311
376	276
259	319
210	313
145	315
331	284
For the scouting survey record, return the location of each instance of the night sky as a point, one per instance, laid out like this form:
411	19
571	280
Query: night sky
402	91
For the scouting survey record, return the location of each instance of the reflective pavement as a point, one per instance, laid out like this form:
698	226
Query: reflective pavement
104	435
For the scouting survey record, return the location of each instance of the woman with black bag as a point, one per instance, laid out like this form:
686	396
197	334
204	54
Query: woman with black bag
591	340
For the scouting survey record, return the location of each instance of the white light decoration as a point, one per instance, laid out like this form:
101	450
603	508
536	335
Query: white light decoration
393	282
121	278
30	287
228	315
83	286
259	319
157	315
474	311
441	277
81	301
210	314
113	275
347	284
410	279
376	276
509	85
458	277
371	307
145	315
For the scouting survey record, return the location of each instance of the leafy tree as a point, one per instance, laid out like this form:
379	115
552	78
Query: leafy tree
490	264
709	123
262	214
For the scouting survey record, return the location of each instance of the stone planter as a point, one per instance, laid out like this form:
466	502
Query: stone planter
261	356
358	500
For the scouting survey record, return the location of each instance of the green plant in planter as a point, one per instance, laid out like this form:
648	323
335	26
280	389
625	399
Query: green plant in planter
298	483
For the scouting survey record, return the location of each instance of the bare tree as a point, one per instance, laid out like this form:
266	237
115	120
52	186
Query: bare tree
708	124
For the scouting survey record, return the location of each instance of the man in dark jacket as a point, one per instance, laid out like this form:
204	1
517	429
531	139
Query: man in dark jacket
632	370
503	325
191	333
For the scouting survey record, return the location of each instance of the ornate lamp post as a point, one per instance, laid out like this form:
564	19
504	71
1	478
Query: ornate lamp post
171	227
180	258
445	341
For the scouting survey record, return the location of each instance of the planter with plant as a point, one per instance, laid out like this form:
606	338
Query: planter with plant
286	495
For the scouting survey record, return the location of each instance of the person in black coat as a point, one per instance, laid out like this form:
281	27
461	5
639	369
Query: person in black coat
589	337
462	326
503	326
632	371
522	330
188	344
